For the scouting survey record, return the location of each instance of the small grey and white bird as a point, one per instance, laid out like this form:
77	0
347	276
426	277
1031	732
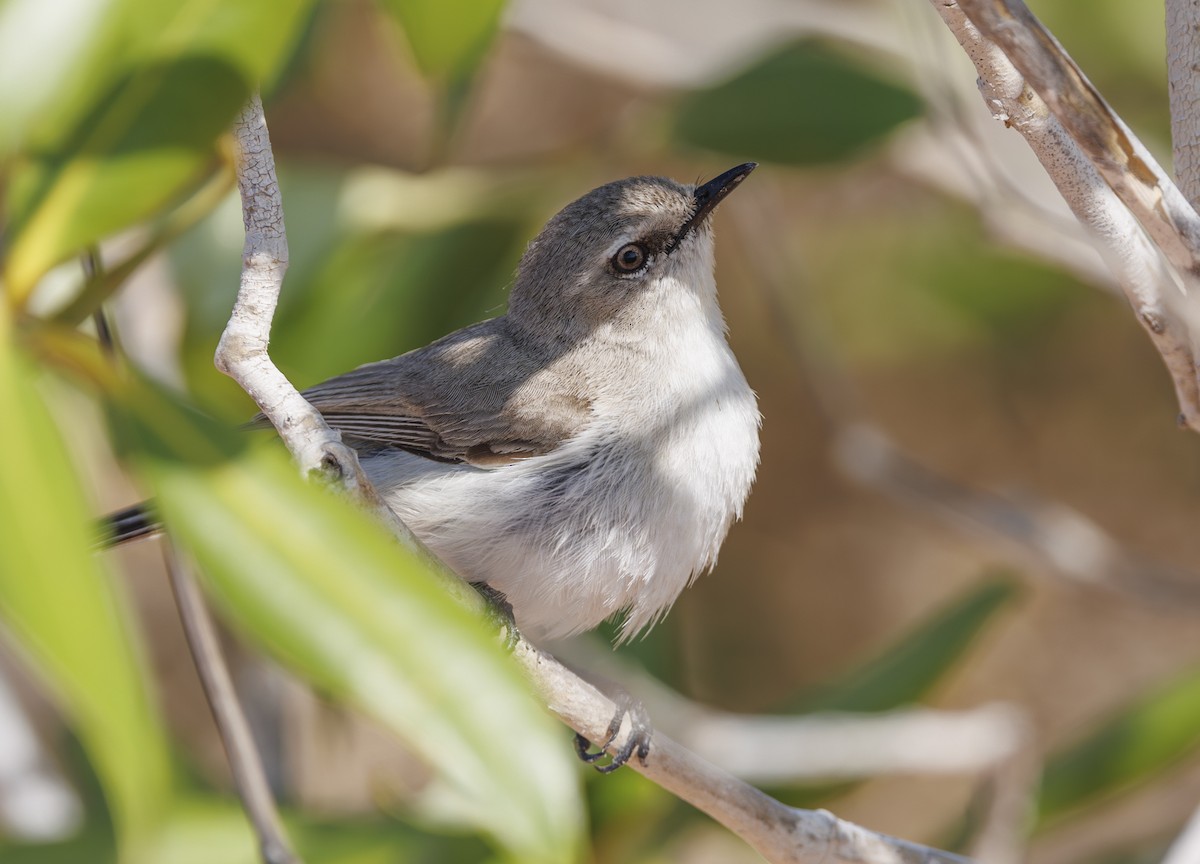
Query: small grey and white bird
586	453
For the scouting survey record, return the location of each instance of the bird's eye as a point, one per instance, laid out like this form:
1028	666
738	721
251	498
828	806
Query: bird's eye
630	258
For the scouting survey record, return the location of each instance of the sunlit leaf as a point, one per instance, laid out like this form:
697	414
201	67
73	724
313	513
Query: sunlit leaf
807	103
66	614
145	127
1149	736
328	591
447	37
908	669
151	136
46	46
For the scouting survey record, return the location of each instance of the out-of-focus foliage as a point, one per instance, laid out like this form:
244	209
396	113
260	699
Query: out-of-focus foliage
137	123
119	121
903	673
1142	740
448	40
316	582
69	617
363	621
805	103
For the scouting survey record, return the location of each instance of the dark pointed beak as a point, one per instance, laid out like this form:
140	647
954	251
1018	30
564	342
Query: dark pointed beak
708	196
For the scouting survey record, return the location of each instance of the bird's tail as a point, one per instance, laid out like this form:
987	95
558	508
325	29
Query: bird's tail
125	525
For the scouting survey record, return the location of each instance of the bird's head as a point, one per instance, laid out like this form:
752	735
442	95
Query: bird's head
631	239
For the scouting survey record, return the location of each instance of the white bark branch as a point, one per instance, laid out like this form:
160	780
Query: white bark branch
242	352
1183	63
822	746
1112	148
1183	59
1109	180
779	833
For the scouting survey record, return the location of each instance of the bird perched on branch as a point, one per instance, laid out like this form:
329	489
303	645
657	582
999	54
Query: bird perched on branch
586	453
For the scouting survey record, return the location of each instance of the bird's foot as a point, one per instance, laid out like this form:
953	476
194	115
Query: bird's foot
637	741
500	614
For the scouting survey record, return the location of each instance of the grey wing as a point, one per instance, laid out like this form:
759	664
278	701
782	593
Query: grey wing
471	397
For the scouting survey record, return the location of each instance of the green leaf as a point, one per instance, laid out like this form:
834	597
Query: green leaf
448	38
143	127
47	46
67	615
1139	742
149	138
806	103
380	294
331	593
908	669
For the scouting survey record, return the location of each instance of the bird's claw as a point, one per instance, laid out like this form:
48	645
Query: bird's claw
500	614
637	741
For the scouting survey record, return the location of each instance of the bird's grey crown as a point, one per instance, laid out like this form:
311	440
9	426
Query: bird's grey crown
571	253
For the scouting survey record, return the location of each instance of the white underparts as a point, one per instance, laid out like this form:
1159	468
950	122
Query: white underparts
623	516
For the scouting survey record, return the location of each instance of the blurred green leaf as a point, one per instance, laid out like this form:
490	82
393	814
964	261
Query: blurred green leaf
46	46
103	284
448	38
65	613
92	845
147	138
633	819
934	286
146	125
804	104
1008	297
908	669
328	590
377	295
1144	739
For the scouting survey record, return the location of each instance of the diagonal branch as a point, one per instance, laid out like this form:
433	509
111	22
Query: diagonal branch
240	749
1106	176
1122	160
779	833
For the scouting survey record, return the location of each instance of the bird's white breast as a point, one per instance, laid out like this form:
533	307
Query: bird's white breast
619	518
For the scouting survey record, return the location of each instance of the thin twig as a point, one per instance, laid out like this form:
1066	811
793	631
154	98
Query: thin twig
822	746
240	749
104	334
